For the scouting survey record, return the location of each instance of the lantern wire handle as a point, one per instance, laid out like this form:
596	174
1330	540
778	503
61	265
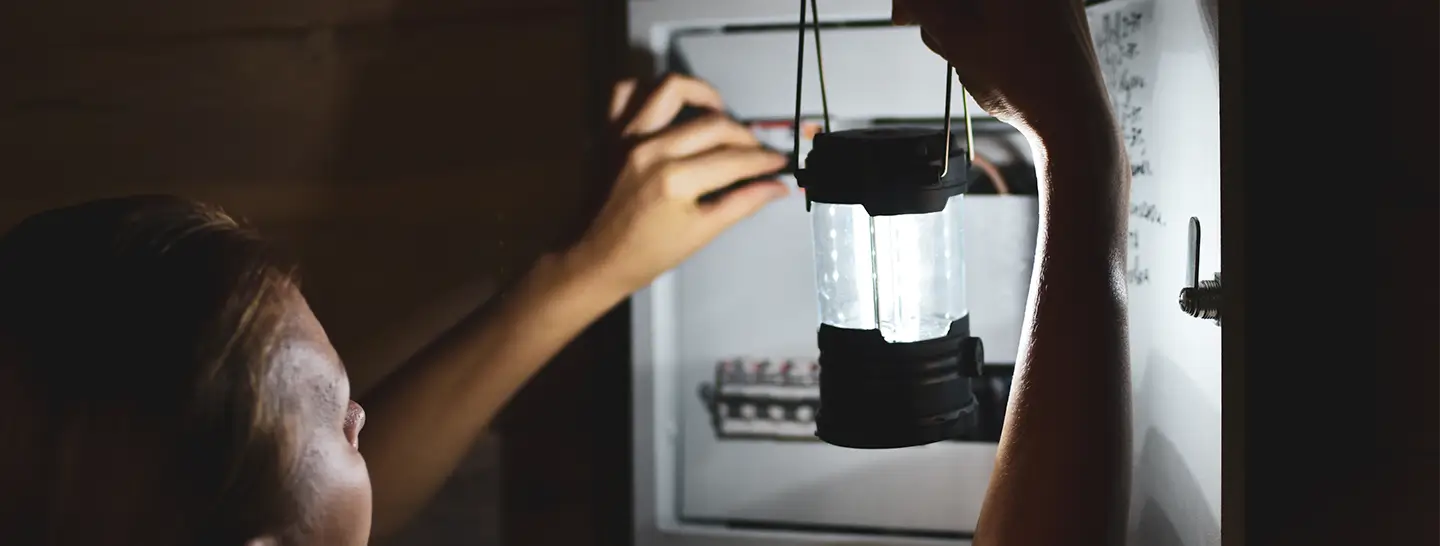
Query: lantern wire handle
799	82
800	73
820	63
949	85
969	129
825	101
964	111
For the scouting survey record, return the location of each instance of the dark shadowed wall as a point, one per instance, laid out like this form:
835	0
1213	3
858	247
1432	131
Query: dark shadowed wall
413	153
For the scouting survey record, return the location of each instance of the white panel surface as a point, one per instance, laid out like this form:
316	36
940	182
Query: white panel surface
869	73
751	294
1166	95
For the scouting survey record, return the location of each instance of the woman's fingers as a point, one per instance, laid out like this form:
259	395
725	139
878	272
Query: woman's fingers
692	138
620	98
741	203
654	217
673	94
694	176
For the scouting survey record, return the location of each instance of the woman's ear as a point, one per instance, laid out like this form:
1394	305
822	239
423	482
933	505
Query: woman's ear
263	541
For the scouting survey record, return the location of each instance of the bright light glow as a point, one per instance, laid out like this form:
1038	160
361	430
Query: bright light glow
903	275
844	275
901	268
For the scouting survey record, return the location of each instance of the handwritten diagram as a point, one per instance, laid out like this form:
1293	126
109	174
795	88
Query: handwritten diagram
1124	44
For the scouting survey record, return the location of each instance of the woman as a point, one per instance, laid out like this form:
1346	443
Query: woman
163	381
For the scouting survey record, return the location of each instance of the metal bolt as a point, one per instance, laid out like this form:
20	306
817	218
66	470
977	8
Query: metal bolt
1202	301
1199	299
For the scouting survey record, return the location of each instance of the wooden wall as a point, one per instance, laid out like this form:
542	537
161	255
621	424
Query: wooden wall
413	153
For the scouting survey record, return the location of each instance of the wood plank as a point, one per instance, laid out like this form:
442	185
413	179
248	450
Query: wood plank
550	473
534	192
103	117
345	108
424	103
69	22
413	140
576	413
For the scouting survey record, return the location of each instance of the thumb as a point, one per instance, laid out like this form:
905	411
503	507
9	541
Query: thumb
741	203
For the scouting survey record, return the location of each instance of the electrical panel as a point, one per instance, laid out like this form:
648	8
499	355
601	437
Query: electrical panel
778	399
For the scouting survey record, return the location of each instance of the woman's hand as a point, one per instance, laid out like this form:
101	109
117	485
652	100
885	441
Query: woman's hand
1030	63
653	218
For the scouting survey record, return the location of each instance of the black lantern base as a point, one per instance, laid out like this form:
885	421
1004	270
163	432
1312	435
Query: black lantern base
879	395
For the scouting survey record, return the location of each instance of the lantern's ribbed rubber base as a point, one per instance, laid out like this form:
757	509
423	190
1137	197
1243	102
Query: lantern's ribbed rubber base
879	395
874	434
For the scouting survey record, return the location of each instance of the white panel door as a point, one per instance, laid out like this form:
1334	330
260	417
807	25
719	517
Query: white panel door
1161	70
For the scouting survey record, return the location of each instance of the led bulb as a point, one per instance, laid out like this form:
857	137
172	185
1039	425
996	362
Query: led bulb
903	275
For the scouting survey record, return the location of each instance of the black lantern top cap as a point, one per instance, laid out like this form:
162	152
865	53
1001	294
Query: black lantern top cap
888	170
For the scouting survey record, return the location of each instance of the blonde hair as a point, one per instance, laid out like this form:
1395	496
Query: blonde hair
137	404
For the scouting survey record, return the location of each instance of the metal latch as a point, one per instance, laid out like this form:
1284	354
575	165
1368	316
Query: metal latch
1199	299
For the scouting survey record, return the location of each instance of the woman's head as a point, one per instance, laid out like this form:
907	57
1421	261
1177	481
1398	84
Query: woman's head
163	382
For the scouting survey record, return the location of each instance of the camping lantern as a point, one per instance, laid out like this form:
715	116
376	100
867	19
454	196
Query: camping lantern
896	354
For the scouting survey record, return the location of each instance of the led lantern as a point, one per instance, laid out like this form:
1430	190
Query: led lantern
896	354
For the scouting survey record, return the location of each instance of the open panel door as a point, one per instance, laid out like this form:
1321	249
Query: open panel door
1159	62
750	295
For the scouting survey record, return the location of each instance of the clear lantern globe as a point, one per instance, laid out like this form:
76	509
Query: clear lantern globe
903	275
